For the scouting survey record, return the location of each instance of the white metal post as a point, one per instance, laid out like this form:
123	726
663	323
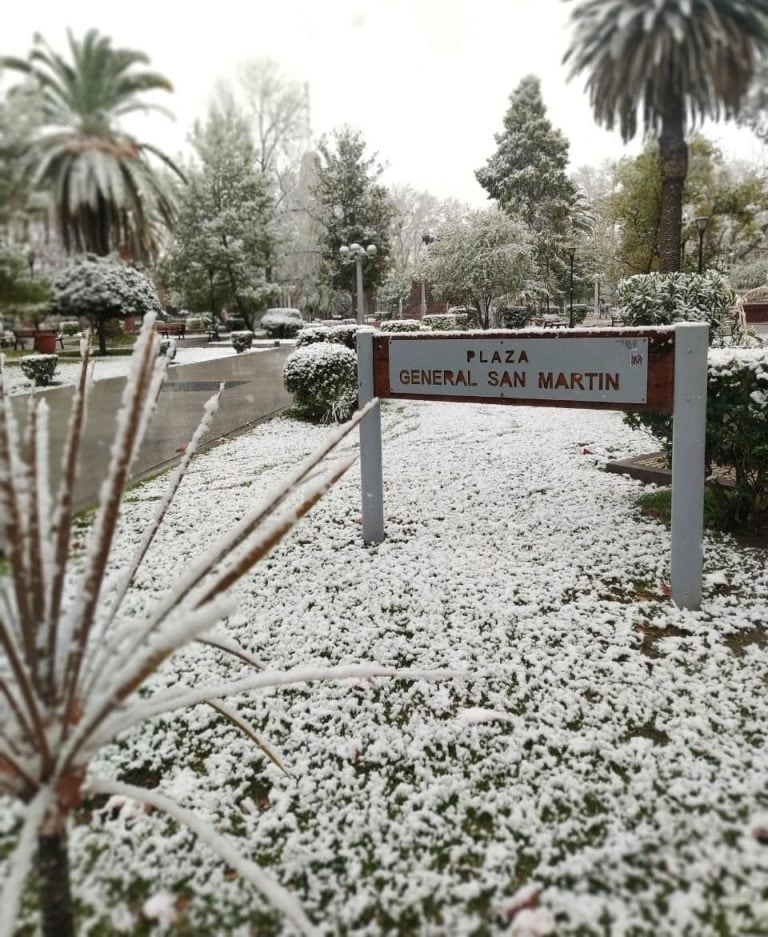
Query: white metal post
371	480
688	439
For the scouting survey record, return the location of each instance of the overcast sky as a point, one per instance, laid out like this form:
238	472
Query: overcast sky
426	81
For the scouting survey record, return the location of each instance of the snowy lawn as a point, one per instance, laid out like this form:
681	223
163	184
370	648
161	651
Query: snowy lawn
68	369
603	746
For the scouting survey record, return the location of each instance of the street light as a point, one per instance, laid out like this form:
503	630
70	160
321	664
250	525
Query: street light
358	253
701	224
571	253
426	240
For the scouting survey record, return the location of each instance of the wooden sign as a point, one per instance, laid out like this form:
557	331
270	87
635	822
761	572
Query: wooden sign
617	369
663	370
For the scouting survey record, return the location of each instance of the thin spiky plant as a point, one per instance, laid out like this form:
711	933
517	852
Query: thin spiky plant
72	659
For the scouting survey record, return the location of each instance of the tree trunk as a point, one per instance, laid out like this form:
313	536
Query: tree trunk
673	163
54	894
101	332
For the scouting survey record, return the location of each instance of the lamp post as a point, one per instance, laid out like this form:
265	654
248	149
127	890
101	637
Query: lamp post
214	324
701	224
426	240
358	253
571	253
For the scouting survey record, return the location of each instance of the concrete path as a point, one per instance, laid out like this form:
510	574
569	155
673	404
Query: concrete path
253	392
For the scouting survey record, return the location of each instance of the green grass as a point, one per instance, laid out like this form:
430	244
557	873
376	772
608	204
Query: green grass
658	504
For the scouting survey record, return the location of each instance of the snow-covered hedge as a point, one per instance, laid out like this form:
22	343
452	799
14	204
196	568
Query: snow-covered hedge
514	317
737	431
401	325
39	368
340	334
445	322
666	298
323	380
312	334
241	340
282	323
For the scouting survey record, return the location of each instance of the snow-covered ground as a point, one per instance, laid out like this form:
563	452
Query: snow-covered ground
603	746
68	370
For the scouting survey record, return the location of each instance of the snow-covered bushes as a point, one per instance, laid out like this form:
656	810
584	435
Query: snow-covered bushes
323	380
345	335
340	334
444	322
667	298
241	340
514	317
737	430
39	368
401	325
312	334
282	323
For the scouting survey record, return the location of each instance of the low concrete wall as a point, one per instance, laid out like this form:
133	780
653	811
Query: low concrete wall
253	392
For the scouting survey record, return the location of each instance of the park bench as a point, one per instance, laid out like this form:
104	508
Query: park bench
171	329
22	335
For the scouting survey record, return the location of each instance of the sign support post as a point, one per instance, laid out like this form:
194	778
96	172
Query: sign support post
689	423
371	478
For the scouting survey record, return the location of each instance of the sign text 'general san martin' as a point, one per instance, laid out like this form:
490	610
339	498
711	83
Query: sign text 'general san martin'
568	369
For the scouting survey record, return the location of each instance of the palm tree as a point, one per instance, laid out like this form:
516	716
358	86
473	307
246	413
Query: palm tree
675	61
104	193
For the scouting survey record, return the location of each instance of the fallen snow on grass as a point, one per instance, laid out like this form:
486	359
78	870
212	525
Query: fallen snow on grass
68	369
605	752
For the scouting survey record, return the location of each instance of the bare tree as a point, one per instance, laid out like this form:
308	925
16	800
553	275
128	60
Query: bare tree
277	108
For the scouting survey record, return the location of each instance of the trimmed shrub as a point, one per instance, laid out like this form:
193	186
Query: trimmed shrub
444	322
323	380
39	368
310	335
737	431
514	317
196	323
241	340
667	298
345	335
401	325
580	312
282	323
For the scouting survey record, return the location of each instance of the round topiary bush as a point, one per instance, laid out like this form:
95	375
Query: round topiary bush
323	380
282	323
312	334
241	340
345	335
39	368
444	322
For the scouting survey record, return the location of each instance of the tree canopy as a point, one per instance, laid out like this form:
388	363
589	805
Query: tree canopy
481	258
224	240
104	192
671	63
352	207
102	288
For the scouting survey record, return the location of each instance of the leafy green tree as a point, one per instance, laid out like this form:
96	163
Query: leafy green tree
224	239
527	173
104	192
482	258
102	288
673	61
20	120
352	208
733	198
18	291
